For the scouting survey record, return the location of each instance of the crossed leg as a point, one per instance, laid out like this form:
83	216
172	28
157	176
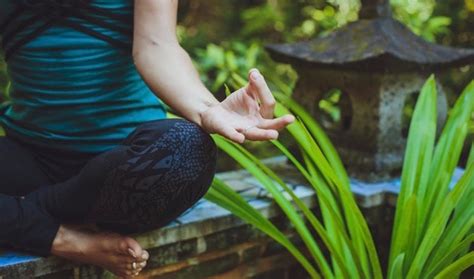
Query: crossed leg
161	170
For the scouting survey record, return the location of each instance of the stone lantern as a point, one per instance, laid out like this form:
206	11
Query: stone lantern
378	66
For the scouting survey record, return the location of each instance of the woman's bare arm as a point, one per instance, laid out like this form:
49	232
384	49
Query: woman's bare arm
164	65
168	70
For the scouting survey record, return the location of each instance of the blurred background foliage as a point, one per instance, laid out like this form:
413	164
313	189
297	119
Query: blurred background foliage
227	38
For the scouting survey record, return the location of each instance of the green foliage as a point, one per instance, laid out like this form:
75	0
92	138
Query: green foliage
230	63
285	20
263	18
329	105
290	20
221	65
324	171
433	227
419	17
432	222
336	236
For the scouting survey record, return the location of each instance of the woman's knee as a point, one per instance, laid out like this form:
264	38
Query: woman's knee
180	149
197	151
191	167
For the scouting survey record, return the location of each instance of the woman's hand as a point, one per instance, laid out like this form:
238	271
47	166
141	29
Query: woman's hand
246	114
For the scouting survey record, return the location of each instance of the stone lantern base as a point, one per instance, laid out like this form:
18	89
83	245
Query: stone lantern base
370	137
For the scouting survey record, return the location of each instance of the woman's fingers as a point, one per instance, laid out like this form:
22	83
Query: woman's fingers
267	129
252	133
277	123
256	133
258	86
232	134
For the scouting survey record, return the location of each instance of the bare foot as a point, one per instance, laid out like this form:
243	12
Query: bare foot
121	255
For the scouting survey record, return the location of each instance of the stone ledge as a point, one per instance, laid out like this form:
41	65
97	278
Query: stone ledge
205	228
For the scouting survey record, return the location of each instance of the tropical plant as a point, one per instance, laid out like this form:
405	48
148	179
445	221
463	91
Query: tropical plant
419	17
433	227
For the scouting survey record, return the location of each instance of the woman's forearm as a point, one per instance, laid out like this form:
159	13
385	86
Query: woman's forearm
171	75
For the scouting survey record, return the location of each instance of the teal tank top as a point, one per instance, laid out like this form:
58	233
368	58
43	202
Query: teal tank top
74	91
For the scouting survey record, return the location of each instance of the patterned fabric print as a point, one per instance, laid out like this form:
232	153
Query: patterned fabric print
158	183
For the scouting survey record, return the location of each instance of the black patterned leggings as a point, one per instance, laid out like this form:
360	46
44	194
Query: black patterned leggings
159	171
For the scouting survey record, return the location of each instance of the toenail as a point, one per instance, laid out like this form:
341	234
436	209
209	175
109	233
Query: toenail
132	253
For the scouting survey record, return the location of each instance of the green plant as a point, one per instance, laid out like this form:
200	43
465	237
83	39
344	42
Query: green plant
291	20
433	227
319	17
218	64
419	17
228	64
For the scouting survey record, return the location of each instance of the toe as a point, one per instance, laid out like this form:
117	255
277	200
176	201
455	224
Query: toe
128	266
131	247
145	256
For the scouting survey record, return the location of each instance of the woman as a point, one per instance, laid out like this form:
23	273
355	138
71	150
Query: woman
88	142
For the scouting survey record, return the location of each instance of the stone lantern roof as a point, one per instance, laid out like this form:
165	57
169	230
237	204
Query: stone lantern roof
375	42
